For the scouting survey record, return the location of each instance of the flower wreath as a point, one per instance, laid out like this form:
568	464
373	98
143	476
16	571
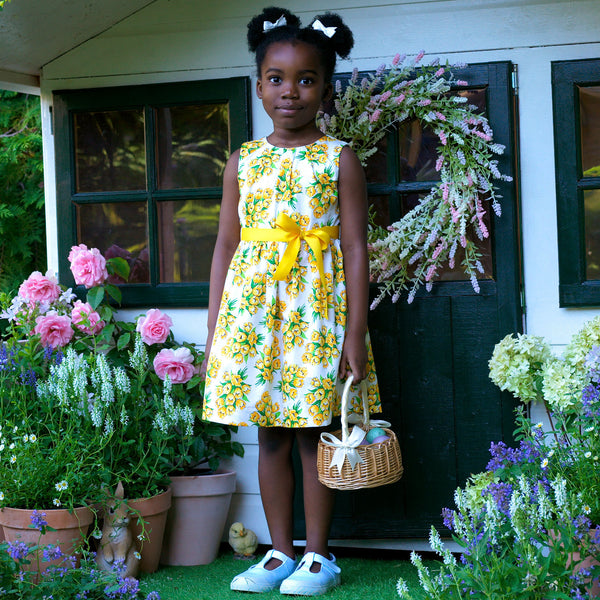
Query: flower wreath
409	253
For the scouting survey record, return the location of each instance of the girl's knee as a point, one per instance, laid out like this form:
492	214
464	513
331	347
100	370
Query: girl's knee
274	440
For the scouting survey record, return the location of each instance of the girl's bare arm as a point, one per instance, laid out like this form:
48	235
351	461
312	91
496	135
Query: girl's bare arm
353	220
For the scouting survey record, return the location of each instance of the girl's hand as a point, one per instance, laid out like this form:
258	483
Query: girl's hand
354	357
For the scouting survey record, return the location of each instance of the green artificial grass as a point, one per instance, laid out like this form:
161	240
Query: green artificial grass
366	575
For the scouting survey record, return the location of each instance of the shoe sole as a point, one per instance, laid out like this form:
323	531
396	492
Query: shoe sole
304	590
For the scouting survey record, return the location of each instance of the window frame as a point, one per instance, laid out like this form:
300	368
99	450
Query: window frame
235	91
574	288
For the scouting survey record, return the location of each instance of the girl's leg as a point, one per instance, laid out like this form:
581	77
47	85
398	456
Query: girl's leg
276	479
318	498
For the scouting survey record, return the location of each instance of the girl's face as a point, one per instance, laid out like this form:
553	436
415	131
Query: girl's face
292	86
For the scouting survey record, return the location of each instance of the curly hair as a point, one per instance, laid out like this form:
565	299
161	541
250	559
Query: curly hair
328	48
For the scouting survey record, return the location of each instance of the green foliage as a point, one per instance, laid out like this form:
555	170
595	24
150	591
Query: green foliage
22	224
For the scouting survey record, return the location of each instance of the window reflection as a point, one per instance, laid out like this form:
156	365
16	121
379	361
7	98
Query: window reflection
109	151
187	235
589	123
192	145
117	229
591	203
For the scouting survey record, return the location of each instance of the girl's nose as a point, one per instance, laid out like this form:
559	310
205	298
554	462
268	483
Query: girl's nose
290	90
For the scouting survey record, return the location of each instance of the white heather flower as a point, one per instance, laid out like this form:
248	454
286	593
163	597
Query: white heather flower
137	555
13	459
1	496
56	502
61	485
588	454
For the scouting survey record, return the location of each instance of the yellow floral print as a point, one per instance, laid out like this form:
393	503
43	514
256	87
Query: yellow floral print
253	294
232	393
294	329
266	413
322	349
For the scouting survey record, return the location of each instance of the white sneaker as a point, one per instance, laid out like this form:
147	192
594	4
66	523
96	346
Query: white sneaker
259	579
303	582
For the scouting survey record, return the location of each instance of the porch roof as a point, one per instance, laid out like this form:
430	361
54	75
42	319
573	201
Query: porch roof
33	33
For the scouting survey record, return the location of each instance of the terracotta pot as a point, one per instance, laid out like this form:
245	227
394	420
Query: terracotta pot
71	530
153	511
197	518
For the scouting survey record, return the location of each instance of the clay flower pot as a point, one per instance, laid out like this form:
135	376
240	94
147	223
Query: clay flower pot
197	517
71	530
153	511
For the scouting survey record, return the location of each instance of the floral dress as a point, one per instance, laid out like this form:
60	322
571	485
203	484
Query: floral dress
278	340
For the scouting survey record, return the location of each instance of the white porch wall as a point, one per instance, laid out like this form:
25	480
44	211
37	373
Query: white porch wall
175	40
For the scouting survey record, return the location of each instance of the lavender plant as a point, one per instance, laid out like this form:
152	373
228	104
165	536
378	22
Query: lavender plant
412	251
57	575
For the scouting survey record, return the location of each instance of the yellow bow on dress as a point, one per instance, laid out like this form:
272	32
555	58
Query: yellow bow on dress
287	230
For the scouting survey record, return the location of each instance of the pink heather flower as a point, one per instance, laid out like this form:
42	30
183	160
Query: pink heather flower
425	102
385	96
375	116
461	82
430	272
419	56
177	364
88	266
55	330
438	163
439	72
398	59
39	288
398	99
443	138
154	327
85	318
440	116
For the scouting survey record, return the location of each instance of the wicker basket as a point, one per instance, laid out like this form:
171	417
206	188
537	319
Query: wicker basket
375	464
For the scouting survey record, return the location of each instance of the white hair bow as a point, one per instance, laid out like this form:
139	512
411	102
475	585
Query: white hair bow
328	31
267	25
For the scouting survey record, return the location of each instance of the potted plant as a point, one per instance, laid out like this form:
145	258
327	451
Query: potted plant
201	490
124	395
528	525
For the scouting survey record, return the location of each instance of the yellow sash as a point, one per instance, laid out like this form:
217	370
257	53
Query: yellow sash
287	230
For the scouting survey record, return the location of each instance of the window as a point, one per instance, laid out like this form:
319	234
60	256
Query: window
576	100
139	176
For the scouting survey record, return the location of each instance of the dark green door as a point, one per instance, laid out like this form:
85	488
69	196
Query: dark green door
432	355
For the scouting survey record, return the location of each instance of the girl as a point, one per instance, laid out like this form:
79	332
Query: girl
289	291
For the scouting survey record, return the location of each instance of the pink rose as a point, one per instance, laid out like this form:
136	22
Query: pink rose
177	364
39	288
85	318
88	266
55	330
154	327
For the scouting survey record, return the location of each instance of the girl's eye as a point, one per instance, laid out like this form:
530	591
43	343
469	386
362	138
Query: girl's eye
275	79
306	81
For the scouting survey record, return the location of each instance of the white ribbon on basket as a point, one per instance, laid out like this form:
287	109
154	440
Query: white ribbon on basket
346	448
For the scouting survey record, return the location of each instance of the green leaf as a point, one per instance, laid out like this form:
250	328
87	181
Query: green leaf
114	292
95	296
118	266
123	341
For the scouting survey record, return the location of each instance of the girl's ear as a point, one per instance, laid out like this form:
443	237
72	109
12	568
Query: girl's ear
327	93
259	89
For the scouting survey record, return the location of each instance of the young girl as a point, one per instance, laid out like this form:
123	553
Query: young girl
289	291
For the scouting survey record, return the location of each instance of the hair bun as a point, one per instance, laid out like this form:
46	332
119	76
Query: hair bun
342	40
256	32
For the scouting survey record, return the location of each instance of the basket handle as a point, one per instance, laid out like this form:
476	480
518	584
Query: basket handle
345	397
